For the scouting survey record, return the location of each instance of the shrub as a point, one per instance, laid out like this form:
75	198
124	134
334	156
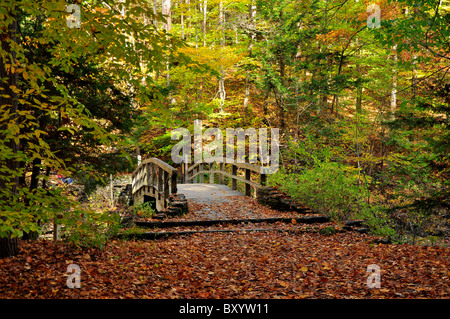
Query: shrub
327	187
90	228
144	210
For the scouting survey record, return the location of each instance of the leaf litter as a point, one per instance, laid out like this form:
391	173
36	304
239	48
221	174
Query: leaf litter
229	265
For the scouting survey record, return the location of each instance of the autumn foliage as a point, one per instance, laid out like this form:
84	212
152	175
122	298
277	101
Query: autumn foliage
244	265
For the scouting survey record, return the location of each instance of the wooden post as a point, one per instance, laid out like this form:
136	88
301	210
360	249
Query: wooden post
173	184
186	169
233	180
200	168
166	187
182	176
160	179
153	175
148	170
221	173
194	171
211	173
247	186
262	179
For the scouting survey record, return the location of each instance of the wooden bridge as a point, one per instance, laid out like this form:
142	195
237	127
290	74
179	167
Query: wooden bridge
155	180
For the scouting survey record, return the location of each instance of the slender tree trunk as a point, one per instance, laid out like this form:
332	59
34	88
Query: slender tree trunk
414	77
182	19
222	92
167	12
280	98
8	246
196	26
394	85
251	15
188	2
155	11
359	87
205	10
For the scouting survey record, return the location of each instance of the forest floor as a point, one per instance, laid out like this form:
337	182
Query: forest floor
229	265
279	260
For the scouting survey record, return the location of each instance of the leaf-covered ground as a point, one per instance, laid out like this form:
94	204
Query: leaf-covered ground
229	265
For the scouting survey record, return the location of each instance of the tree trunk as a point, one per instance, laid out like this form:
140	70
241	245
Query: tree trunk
8	245
222	92
414	77
280	98
251	14
205	5
182	19
166	10
394	86
155	11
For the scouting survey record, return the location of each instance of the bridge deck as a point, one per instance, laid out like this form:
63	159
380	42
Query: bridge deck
206	192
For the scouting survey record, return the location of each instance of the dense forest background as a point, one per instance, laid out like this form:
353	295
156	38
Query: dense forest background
362	111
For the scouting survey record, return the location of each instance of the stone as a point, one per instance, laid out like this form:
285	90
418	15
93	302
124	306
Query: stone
275	199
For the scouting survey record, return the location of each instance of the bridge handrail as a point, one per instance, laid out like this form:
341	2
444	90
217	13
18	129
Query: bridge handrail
197	170
156	174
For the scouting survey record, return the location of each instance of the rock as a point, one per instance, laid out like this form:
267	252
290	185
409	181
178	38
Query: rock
382	241
275	199
177	205
362	230
354	222
159	216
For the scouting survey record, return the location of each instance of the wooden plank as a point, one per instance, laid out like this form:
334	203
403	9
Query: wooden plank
233	177
240	179
252	167
155	161
190	223
211	173
247	185
201	179
160	179
262	179
166	187
173	184
221	173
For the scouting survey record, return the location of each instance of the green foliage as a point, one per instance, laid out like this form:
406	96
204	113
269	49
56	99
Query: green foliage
378	220
327	188
328	231
89	228
72	116
143	210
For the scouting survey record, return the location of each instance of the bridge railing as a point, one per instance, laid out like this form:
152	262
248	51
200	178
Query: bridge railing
237	172
155	178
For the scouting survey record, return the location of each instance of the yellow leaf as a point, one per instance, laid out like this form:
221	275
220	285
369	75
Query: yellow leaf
304	269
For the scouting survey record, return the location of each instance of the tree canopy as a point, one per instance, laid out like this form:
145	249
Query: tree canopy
362	111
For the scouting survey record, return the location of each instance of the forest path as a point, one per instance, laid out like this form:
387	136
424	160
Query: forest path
217	208
213	201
